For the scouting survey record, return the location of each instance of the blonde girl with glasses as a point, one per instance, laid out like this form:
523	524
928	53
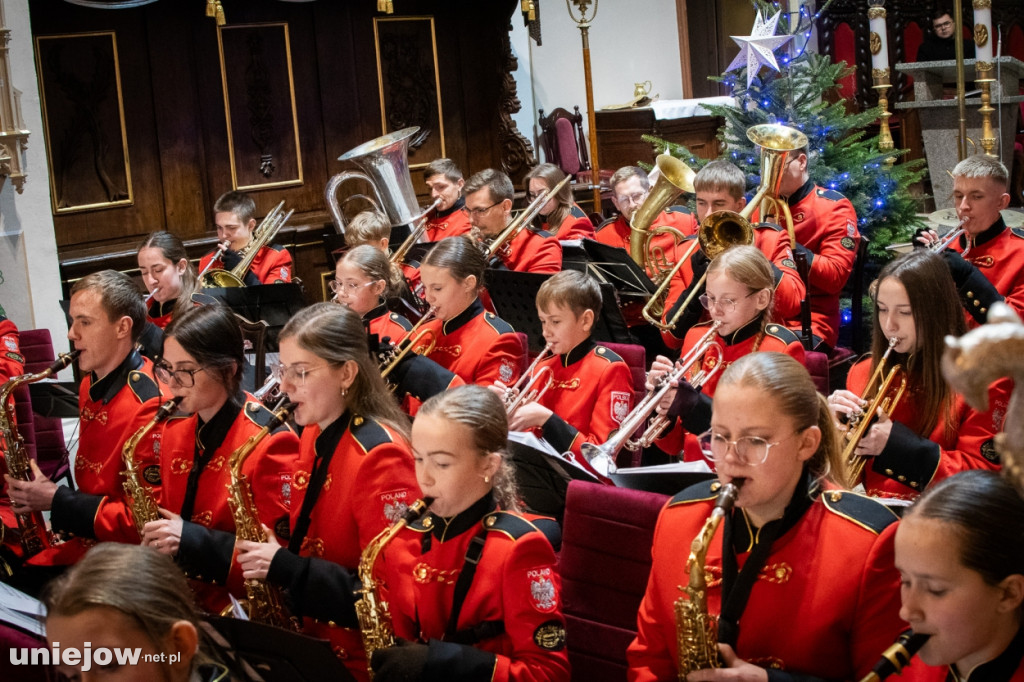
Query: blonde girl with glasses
201	364
738	295
363	281
796	549
354	477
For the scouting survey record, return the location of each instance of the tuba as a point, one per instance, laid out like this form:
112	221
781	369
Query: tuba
264	601
371	610
886	396
385	161
261	236
141	505
696	629
31	525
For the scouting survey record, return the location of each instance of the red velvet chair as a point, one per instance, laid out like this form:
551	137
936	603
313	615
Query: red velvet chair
566	146
604	563
636	357
43	436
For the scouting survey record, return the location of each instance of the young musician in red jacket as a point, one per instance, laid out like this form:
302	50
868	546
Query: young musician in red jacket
739	292
987	261
933	433
478	346
202	364
720	186
445	182
473	586
235	216
363	280
800	572
959	551
168	275
826	231
12	364
354	477
560	216
118	395
591	387
489	195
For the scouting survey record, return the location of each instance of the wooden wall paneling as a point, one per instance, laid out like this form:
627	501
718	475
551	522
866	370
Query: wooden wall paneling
702	28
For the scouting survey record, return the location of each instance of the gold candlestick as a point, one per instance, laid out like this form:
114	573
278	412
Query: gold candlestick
582	21
885	141
880	74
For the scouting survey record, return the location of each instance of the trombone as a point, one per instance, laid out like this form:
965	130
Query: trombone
525	390
602	457
886	396
501	243
412	342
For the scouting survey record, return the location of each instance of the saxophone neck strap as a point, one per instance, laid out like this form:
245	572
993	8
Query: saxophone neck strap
462	585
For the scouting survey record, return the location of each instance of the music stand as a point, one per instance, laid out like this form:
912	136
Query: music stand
273	303
279	655
514	295
612	264
54	399
666	479
543	479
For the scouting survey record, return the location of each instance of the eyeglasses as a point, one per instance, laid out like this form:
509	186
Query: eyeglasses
635	198
749	450
292	374
726	305
478	211
337	286
186	378
945	24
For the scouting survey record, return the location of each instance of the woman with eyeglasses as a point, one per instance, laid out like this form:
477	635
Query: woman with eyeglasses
560	216
933	433
354	476
738	294
202	363
800	572
478	346
363	280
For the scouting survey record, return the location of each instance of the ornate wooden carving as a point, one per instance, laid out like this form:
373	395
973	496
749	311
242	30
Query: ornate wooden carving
516	151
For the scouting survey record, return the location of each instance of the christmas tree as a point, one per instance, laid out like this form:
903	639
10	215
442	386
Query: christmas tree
804	94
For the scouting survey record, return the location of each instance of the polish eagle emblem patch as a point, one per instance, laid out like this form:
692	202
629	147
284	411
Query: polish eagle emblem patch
620	405
542	590
506	371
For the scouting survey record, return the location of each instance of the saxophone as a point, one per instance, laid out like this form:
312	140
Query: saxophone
31	525
696	629
896	657
141	504
372	611
264	600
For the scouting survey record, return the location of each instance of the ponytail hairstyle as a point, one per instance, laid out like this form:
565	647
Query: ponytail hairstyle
480	410
552	175
173	250
750	267
461	256
336	334
375	264
211	335
794	395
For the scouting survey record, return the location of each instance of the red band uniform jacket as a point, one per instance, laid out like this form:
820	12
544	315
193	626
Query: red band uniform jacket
272	265
12	364
682	437
352	481
478	346
194	463
576	225
826	224
591	393
450	223
825	602
386	324
111	410
909	463
615	232
998	253
510	626
534	251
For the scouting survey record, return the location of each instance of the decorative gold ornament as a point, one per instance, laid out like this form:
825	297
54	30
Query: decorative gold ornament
982	4
980	35
876	13
875	43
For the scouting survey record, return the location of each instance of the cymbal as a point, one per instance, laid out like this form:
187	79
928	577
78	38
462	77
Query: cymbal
946	216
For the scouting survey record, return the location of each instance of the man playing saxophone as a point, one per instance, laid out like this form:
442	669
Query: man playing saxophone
800	574
12	364
234	213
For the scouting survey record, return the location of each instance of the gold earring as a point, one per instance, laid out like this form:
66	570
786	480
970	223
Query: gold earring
487	479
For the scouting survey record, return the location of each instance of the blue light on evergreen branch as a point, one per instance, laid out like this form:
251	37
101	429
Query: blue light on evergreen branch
846	315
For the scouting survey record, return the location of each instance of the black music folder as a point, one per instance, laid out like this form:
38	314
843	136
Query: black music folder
543	476
614	265
667	479
273	303
54	399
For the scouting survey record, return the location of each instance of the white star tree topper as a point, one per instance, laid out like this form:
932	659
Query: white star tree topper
759	47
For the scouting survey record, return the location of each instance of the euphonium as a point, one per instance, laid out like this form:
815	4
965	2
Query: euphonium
264	601
501	243
412	342
261	236
602	457
896	657
886	396
31	525
141	505
372	611
525	390
674	178
696	629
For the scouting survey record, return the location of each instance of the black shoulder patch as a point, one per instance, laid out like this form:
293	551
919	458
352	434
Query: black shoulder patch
577	212
276	247
989	452
512	525
767	225
610	221
540	232
679	209
608	354
1017	232
499	325
830	194
199	298
368	433
282	529
143	385
550	635
863	511
784	334
260	415
401	321
698	492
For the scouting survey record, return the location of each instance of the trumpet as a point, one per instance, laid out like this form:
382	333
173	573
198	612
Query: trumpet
269	392
416	236
525	390
502	242
885	397
950	237
602	457
412	342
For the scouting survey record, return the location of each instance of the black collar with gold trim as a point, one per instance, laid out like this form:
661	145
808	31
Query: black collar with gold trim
578	353
381	309
743	333
745	535
109	386
988	235
327	442
457	206
158	309
999	669
475	308
209	435
443	529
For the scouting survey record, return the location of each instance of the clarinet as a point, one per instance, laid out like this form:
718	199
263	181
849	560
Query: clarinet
896	657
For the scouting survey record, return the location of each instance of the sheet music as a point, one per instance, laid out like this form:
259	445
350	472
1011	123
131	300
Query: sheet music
528	439
22	611
672	468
